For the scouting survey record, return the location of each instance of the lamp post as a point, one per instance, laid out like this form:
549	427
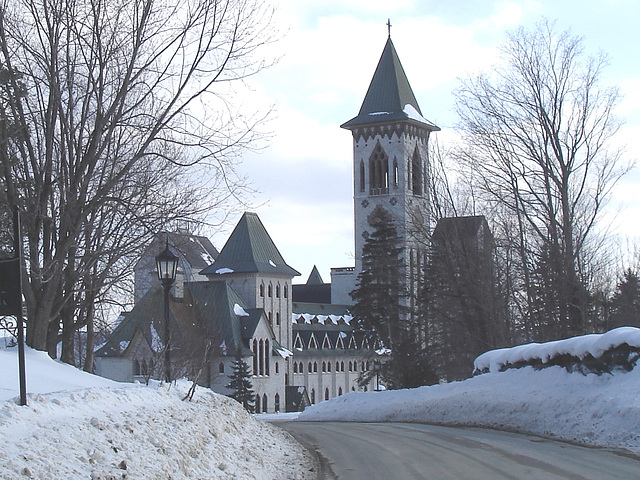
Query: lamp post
166	266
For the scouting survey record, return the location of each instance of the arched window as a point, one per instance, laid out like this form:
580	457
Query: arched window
395	173
310	367
350	366
267	355
324	366
328	366
339	391
264	403
416	173
337	366
342	366
221	367
300	368
277	318
261	358
276	403
277	291
270	319
257	403
326	394
295	367
269	290
261	290
255	357
315	367
313	395
362	366
286	292
378	171
362	176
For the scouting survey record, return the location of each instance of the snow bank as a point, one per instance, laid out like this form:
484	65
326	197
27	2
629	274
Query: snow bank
111	430
580	347
599	410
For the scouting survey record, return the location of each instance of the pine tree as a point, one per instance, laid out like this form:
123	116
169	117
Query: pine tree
241	384
379	311
625	304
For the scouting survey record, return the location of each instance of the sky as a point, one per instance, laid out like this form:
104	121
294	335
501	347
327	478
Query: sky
327	56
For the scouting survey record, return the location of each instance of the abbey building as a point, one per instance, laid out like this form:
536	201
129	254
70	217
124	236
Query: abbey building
242	301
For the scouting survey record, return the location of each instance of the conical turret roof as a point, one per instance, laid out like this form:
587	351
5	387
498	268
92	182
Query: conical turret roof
389	97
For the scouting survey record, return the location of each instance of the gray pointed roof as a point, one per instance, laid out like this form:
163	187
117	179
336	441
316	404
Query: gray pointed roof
314	277
388	95
249	249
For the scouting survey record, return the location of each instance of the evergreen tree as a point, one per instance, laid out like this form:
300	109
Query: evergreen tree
241	384
379	311
625	304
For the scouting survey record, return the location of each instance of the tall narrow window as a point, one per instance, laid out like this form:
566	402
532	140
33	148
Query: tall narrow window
378	171
416	173
361	176
255	357
266	357
326	394
276	403
395	173
257	403
261	358
277	318
264	403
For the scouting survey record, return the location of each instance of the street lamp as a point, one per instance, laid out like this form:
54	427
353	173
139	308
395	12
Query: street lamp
166	267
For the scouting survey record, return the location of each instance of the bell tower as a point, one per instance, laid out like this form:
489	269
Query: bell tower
390	162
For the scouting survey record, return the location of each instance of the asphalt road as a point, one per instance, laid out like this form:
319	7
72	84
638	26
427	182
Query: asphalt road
399	451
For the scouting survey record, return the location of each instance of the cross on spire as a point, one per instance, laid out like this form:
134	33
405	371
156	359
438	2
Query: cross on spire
389	26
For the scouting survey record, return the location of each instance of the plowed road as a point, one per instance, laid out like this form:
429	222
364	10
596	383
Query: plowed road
401	451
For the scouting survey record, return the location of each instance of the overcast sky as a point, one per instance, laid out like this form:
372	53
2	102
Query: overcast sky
329	53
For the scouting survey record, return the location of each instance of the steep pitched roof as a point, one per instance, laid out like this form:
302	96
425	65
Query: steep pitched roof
212	304
389	98
250	249
314	277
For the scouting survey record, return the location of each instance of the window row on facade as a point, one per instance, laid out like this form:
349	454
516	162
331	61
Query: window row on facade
270	290
261	353
312	367
262	403
378	174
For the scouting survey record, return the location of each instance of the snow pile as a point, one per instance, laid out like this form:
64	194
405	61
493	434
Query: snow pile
594	345
79	426
600	410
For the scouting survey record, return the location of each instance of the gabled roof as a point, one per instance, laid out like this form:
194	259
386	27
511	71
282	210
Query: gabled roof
249	249
210	306
196	250
389	98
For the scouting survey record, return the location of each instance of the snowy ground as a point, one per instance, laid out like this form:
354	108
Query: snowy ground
594	410
79	426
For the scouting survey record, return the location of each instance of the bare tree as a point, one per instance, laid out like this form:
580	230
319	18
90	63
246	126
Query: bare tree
112	92
538	137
